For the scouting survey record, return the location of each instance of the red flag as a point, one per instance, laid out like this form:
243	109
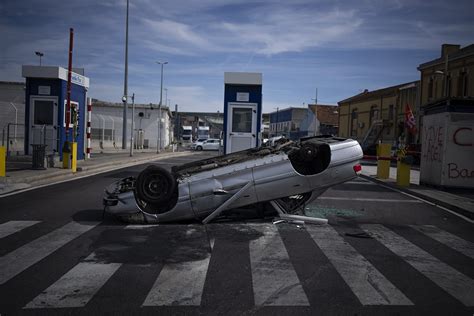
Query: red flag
410	121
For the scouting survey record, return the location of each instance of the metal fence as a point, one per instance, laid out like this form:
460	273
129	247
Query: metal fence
13	138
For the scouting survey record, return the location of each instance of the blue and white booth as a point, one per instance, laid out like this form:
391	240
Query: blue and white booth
242	110
45	108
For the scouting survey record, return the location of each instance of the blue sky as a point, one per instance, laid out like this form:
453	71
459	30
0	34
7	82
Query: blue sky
339	47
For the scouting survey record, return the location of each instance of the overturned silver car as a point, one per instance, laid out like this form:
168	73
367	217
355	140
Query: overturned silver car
289	174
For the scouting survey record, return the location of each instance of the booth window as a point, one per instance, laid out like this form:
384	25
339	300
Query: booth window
44	111
242	120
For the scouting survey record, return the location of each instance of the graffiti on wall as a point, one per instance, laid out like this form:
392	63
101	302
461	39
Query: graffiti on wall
462	137
433	139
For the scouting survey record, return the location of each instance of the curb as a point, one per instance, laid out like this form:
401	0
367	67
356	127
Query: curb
464	212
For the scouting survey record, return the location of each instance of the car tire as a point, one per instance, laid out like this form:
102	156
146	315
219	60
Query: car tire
308	152
199	148
155	185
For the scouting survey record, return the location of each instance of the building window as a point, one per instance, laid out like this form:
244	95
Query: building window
463	84
354	117
448	86
391	112
374	114
430	88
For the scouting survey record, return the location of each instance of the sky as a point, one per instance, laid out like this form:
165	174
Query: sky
338	47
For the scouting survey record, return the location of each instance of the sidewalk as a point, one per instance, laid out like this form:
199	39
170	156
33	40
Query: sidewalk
459	201
21	176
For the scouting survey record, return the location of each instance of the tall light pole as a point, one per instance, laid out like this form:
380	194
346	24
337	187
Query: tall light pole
40	54
158	147
125	88
133	120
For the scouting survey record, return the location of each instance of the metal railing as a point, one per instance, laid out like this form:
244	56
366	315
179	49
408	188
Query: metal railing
14	142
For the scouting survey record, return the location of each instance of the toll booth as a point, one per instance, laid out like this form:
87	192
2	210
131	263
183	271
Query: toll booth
242	110
45	108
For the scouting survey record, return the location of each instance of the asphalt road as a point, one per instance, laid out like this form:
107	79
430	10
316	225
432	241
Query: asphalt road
382	253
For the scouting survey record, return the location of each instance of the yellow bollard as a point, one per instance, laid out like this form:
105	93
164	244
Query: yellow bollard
74	157
383	166
3	161
66	155
403	174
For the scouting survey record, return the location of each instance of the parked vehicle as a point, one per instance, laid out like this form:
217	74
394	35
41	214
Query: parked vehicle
287	175
186	134
206	144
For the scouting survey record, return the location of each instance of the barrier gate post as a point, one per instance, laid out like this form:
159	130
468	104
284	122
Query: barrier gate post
383	165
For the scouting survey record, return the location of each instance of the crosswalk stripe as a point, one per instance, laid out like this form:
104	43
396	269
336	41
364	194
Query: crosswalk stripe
22	258
76	287
12	227
274	279
187	288
452	281
365	281
463	246
367	199
183	290
139	227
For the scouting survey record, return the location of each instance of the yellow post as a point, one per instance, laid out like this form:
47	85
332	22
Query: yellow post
3	161
74	157
403	174
383	166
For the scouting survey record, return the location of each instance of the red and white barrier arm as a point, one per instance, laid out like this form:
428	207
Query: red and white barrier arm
88	130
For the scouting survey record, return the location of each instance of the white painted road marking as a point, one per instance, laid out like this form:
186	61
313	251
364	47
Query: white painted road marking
452	281
12	227
24	257
179	284
359	182
139	227
77	287
463	246
365	281
367	199
182	282
274	279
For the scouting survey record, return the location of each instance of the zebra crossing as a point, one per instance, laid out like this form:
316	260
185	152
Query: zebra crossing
182	273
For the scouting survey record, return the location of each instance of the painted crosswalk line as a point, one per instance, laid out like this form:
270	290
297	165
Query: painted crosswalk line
338	198
463	246
365	281
24	257
12	227
274	279
181	282
77	287
452	281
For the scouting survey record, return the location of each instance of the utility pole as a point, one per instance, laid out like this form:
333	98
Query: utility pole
133	125
315	110
125	87
158	147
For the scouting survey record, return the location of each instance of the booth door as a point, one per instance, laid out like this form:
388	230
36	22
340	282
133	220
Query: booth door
242	127
43	122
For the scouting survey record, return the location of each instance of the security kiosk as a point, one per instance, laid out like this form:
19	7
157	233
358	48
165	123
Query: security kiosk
242	110
45	108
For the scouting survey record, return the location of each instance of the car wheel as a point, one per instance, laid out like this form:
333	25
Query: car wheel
199	148
308	152
155	185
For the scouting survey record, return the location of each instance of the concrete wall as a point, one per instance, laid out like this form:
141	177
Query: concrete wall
109	119
448	150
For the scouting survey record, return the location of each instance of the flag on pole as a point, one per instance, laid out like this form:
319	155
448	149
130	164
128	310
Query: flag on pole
410	121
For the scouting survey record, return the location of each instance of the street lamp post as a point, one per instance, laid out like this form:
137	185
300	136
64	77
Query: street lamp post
133	120
158	147
125	88
40	54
